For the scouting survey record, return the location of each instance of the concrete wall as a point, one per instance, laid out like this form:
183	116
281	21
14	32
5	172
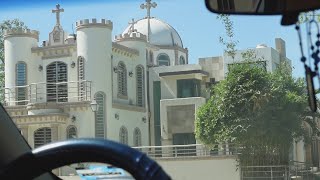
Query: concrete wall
220	168
188	124
214	66
181	118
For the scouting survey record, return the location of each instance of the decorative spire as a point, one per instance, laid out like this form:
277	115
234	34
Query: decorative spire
57	11
132	23
148	5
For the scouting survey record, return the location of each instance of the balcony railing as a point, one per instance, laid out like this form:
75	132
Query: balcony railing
72	91
185	151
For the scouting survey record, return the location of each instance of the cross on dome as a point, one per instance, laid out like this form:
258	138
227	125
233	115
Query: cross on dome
148	5
58	11
132	23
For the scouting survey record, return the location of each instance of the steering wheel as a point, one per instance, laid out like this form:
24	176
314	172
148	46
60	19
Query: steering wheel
54	155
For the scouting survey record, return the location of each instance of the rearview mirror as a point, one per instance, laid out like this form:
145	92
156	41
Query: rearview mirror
261	7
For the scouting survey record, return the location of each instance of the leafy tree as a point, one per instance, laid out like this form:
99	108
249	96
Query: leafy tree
261	111
5	25
228	42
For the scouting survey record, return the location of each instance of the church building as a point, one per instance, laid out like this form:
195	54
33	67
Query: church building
136	88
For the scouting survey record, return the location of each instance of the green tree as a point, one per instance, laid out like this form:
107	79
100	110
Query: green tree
261	111
229	42
5	25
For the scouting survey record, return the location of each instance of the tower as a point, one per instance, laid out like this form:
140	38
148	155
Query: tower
18	57
94	47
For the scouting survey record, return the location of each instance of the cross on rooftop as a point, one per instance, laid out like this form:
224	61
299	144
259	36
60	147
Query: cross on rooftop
148	5
132	26
57	11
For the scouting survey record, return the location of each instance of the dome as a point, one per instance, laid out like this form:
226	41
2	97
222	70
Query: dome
161	33
261	46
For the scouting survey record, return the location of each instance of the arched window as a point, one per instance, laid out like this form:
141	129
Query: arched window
123	135
137	137
21	80
57	74
182	60
81	78
100	115
140	85
42	136
122	79
163	60
71	132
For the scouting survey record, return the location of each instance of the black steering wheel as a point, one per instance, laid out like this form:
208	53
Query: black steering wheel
54	155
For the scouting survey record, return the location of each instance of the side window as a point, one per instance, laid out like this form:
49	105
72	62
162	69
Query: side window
123	135
122	79
71	132
163	60
182	60
42	136
140	85
100	115
21	81
81	78
137	137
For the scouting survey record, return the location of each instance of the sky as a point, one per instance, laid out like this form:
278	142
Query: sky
198	28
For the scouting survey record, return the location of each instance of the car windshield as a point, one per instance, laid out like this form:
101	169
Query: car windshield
206	95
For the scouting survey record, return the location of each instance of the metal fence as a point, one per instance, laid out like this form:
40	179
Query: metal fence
72	91
192	150
264	172
295	170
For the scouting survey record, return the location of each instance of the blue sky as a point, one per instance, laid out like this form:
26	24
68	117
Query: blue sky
198	28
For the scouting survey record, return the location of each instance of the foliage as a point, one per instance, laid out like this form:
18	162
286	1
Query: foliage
5	25
230	44
262	111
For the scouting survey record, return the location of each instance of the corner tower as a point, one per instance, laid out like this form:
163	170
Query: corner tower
94	44
18	44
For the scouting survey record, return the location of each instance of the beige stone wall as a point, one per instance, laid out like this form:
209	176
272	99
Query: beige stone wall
209	168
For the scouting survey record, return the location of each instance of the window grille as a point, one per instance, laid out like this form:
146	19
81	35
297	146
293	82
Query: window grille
71	132
140	85
42	136
57	73
137	137
21	80
122	79
123	135
81	78
100	115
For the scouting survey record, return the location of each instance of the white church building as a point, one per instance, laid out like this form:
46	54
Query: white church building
137	88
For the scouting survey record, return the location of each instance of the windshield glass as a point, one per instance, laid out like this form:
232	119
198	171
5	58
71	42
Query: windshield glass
205	95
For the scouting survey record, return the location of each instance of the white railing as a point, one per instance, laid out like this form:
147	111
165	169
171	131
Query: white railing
72	91
192	150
